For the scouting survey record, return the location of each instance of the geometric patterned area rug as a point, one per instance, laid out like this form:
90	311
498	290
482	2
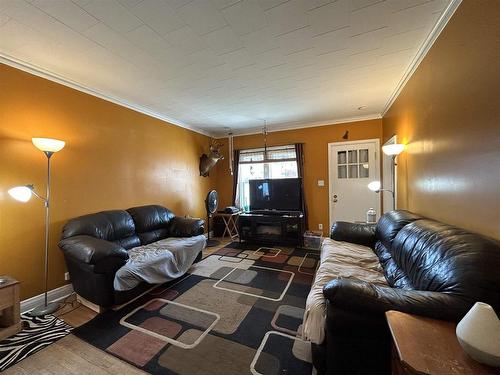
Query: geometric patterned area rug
37	333
238	311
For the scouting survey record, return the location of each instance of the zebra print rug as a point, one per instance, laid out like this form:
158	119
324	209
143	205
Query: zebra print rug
38	332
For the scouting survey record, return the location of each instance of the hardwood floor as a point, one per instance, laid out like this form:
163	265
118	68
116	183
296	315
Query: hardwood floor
70	355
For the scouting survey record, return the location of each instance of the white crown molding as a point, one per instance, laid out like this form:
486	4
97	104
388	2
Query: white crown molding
53	295
301	125
43	73
422	52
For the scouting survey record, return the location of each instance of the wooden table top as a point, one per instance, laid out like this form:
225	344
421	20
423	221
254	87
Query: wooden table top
8	281
429	346
227	214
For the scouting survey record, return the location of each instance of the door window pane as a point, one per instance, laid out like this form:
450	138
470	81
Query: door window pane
364	170
363	156
353	171
341	157
353	156
342	171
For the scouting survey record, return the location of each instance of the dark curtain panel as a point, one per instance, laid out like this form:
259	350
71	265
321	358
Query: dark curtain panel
299	150
236	164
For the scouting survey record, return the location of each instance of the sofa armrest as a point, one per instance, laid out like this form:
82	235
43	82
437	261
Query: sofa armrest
184	227
91	250
368	298
361	234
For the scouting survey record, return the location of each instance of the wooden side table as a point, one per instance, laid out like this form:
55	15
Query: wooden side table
10	316
428	346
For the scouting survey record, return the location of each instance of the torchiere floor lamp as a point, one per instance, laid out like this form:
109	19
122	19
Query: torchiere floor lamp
23	194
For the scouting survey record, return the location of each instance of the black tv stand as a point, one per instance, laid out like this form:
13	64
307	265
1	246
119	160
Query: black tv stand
272	227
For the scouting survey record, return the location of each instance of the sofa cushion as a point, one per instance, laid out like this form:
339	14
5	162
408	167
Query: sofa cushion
115	226
387	228
151	222
441	258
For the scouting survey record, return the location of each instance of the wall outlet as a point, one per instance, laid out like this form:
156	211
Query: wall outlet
320	226
66	276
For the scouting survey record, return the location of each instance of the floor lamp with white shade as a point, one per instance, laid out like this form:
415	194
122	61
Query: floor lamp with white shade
392	150
23	194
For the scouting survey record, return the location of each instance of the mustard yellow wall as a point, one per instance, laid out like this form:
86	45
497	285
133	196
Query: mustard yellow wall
115	158
315	141
449	114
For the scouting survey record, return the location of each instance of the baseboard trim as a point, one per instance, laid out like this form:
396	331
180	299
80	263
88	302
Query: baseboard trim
53	295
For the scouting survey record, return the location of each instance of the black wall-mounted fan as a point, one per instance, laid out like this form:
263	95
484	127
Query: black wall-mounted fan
211	203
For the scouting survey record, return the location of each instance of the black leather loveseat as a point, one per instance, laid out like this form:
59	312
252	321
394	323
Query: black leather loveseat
432	269
95	247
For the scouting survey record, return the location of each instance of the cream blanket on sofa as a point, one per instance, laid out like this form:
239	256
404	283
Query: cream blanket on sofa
159	261
338	259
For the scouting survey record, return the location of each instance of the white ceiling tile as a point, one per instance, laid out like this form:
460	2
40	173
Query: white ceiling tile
305	57
245	17
238	58
202	16
295	41
111	13
268	4
3	19
175	4
129	3
9	30
313	4
67	12
259	41
360	4
158	15
332	16
369	18
404	40
223	40
269	59
289	61
45	25
186	40
145	38
114	42
221	4
414	17
287	16
367	41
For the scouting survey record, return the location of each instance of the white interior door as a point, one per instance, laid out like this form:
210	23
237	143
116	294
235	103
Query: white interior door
352	165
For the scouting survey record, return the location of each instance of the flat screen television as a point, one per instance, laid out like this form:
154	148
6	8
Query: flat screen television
282	194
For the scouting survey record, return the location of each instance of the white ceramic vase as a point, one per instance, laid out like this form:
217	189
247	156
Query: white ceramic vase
479	334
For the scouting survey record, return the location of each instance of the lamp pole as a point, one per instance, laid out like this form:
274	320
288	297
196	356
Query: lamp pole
393	188
46	308
47	221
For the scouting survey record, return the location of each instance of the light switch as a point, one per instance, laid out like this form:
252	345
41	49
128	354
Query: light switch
321	182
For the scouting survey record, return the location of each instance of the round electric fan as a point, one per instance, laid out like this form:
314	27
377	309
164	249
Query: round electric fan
211	205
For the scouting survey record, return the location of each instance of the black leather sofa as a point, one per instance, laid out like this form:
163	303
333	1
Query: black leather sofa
433	269
95	247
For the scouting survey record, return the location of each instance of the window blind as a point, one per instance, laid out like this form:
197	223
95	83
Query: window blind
273	154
